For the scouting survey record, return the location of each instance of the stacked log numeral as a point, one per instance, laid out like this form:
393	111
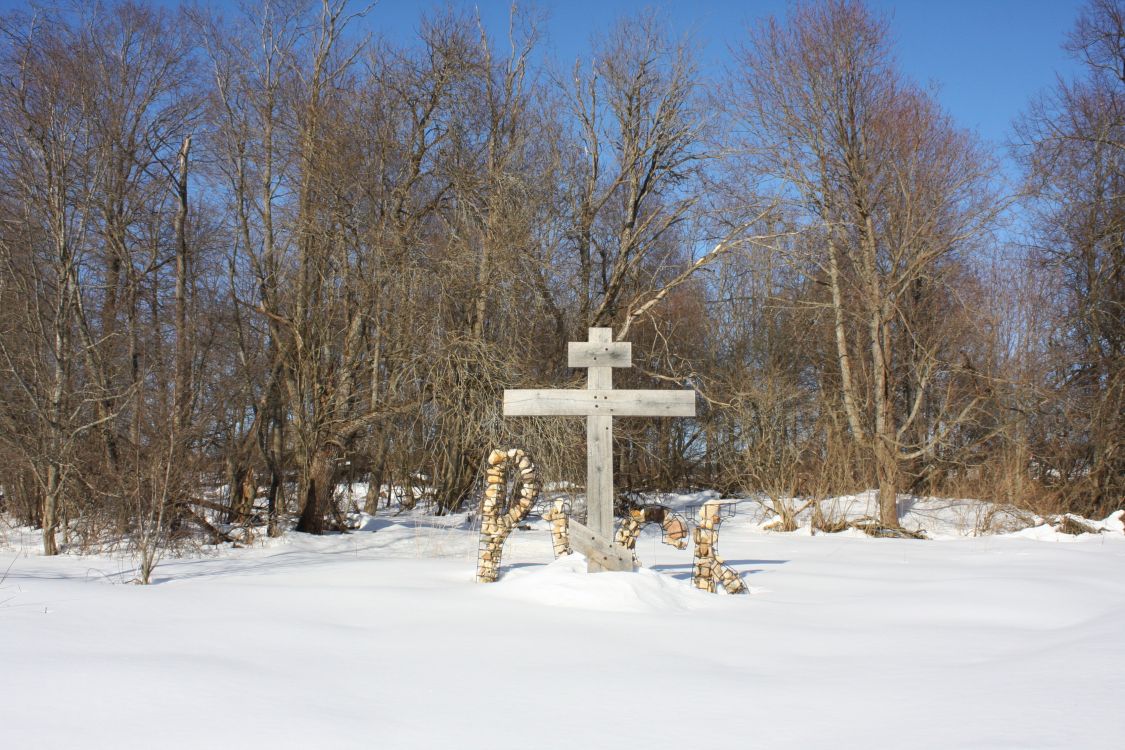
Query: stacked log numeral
673	527
498	515
559	516
709	569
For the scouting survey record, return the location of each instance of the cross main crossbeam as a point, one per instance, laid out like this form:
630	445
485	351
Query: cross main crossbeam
549	402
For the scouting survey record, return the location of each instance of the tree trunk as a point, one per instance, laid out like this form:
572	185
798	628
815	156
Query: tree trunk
273	529
50	511
376	475
884	440
886	469
842	352
182	401
319	492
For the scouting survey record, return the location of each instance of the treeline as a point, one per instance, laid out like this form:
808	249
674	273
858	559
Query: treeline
246	256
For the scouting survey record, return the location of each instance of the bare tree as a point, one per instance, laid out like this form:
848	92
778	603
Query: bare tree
639	151
890	191
46	159
1073	149
305	255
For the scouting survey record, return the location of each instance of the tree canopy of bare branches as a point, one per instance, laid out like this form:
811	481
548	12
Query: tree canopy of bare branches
249	255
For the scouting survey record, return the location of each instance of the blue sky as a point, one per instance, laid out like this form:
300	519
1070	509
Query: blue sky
985	58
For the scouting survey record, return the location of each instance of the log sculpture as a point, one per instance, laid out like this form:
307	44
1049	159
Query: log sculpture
673	526
709	569
674	530
513	486
500	509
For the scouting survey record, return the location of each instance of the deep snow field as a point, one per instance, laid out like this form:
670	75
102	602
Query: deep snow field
380	639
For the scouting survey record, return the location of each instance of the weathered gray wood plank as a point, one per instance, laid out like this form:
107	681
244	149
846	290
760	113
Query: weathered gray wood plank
594	354
599	445
600	377
601	554
599	474
564	402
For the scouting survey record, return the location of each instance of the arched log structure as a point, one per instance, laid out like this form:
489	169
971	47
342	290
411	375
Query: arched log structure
513	487
559	515
709	569
674	529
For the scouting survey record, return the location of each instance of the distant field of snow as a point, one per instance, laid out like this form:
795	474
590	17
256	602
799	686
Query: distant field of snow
379	638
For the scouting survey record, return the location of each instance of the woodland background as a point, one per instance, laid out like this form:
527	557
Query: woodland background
248	256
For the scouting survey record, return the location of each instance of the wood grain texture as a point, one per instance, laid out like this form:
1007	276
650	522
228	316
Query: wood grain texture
591	354
600	377
599	474
564	402
601	554
599	445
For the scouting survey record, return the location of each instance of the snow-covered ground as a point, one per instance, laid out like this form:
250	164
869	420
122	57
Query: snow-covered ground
380	639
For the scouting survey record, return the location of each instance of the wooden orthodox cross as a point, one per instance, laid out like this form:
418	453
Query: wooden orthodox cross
599	403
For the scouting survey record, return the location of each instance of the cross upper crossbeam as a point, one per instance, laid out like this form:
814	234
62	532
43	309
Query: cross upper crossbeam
598	354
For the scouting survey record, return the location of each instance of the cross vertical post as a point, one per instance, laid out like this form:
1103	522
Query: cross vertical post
599	447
